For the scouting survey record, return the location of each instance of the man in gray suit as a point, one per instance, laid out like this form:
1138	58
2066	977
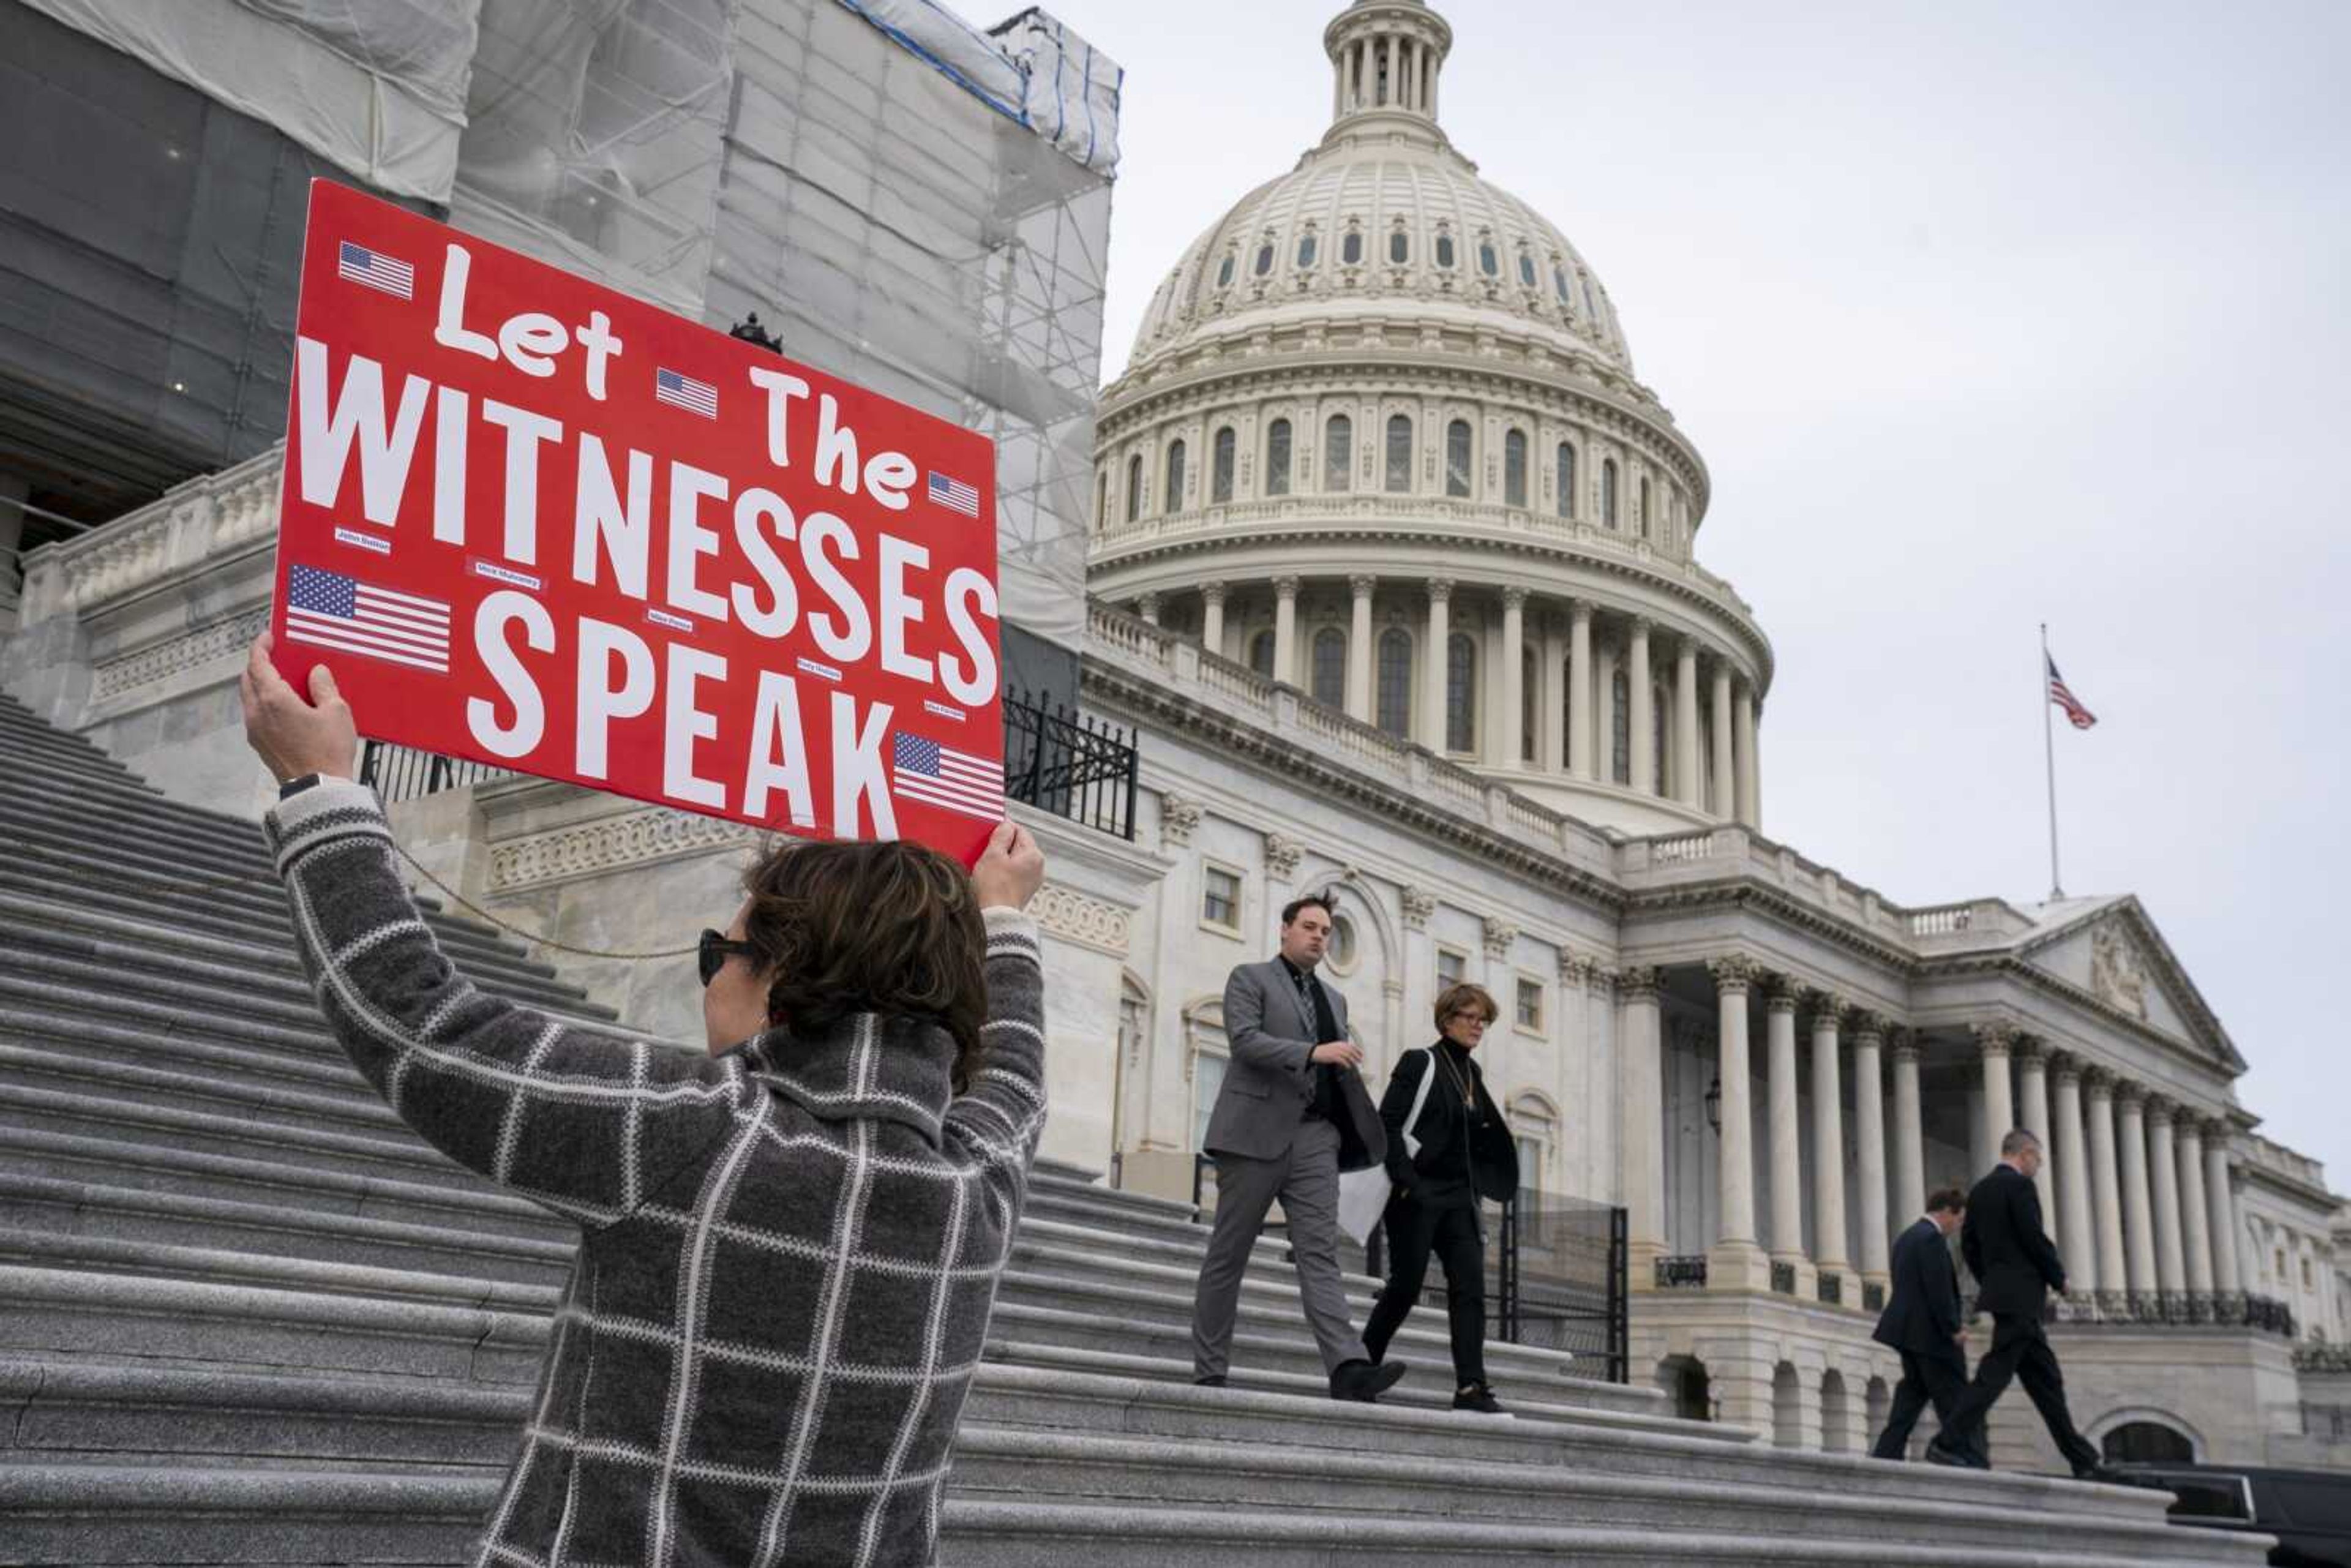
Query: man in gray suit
1293	1112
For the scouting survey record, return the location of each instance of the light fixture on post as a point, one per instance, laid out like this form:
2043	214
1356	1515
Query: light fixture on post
1714	1105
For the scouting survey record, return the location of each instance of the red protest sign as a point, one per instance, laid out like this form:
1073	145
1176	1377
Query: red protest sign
529	520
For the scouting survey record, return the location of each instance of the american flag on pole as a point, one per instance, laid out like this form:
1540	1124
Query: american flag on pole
685	393
953	494
334	610
375	269
2076	715
922	769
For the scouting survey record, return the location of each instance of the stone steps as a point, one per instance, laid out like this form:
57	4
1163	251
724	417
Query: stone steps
247	1317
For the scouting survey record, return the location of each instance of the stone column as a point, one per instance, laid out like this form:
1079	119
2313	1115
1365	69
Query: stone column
1147	606
2032	1113
1642	1142
1285	630
1909	1136
1720	801
1359	649
1992	1043
1581	739
1512	727
1869	1142
2105	1186
2139	1204
2163	1171
1688	770
2220	1202
1212	617
1829	1248
1643	769
2194	1211
1736	1262
1551	749
1787	1150
1751	777
2071	1152
1432	681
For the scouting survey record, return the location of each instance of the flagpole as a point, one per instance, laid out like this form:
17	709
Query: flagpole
2049	755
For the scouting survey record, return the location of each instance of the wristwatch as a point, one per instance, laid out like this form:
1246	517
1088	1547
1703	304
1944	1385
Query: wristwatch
293	787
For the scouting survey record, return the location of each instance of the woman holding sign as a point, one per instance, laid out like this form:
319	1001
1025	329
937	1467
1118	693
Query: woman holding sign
790	1246
1447	1147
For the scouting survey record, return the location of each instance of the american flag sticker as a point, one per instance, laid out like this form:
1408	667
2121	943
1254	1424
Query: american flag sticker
335	610
375	270
685	393
922	769
953	494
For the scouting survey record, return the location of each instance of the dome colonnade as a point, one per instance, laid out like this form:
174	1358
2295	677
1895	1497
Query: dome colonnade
1380	439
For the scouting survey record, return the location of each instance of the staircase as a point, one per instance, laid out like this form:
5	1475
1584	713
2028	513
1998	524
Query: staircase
245	1317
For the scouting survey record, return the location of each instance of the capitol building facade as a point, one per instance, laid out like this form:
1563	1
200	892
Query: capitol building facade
1395	571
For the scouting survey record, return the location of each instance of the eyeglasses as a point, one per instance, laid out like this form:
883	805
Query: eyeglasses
710	954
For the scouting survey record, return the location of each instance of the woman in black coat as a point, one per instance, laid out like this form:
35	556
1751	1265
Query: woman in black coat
1456	1150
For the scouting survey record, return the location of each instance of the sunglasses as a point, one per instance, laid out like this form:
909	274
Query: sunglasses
710	954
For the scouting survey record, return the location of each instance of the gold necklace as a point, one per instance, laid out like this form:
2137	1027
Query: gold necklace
1461	1086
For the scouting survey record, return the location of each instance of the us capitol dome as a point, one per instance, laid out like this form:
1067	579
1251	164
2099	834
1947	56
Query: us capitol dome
1381	439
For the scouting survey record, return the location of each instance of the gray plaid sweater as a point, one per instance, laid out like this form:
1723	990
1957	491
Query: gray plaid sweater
789	1253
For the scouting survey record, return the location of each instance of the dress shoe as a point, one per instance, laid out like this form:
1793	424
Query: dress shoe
1214	1380
1362	1381
1479	1397
2094	1471
1938	1454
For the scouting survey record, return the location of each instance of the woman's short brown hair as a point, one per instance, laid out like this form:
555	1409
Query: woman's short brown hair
890	927
1461	996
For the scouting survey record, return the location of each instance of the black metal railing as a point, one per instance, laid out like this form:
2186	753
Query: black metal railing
1831	1290
2176	1309
2328	1423
2322	1359
1682	1272
1558	1266
1783	1279
1070	764
1055	758
405	773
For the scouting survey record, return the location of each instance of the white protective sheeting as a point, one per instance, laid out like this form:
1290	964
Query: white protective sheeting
376	86
1031	69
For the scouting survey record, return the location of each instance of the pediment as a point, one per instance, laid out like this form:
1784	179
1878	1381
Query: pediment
2114	952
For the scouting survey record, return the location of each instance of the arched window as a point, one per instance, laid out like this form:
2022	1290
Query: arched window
1338	452
1529	709
1642	516
1399	246
1514	468
1133	488
1224	271
1399	454
1589	308
1306	250
1328	679
1489	261
1260	650
1457	458
1102	502
1566	461
1460	693
2147	1443
1265	259
1396	681
1351	248
1277	459
1220	466
1174	492
1526	269
1608	492
1559	285
1444	249
1620	728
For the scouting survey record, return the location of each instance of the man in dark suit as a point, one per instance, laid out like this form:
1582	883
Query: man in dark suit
1922	1322
1291	1115
2015	1268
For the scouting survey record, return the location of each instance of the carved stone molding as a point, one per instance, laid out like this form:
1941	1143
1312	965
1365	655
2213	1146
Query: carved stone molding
1638	983
1178	815
1574	968
2118	970
152	665
1418	903
633	837
1869	1026
1499	934
1077	917
1994	1039
1826	1007
1733	974
1784	993
1281	856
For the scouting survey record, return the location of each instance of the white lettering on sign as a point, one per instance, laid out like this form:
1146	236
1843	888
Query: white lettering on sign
602	698
528	340
492	620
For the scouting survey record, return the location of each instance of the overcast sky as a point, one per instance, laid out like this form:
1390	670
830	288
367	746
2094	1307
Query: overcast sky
1981	316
